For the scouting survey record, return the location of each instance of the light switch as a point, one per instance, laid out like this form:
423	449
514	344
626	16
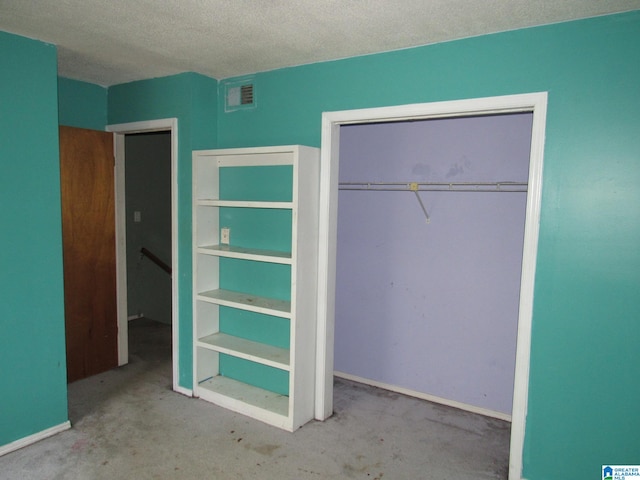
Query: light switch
137	216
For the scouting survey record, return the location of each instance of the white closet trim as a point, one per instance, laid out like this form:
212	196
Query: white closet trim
331	123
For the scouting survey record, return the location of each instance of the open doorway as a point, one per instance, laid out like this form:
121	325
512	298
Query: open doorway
148	244
148	225
145	268
332	121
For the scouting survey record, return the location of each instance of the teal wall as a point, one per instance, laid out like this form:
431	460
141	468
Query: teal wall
33	387
81	104
192	99
584	391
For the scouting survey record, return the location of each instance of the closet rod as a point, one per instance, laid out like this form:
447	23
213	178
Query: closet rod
435	186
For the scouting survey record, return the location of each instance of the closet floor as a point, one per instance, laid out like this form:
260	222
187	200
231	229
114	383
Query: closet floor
128	423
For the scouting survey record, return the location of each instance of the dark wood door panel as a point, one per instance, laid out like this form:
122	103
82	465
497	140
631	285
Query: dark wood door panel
88	228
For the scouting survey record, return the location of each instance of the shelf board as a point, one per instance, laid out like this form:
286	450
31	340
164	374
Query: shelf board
244	398
247	349
272	256
244	204
244	301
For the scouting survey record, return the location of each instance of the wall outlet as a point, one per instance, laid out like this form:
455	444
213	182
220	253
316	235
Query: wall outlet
225	233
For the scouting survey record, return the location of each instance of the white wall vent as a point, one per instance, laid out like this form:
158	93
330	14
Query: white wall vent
240	94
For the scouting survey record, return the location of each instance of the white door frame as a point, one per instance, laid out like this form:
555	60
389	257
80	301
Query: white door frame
331	122
120	130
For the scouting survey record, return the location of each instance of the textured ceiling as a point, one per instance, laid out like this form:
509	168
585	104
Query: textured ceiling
117	41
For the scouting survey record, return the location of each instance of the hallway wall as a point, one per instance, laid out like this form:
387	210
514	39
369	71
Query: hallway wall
148	191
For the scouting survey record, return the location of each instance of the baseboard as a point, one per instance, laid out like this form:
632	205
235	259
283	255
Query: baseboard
425	396
36	437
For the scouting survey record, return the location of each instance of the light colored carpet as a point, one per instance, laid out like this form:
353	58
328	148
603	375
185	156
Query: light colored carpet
129	424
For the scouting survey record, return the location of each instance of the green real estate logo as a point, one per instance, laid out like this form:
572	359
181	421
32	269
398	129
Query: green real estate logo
621	472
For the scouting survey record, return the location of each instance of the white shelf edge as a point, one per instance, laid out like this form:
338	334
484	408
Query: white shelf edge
271	256
244	160
235	156
263	405
243	301
247	349
204	202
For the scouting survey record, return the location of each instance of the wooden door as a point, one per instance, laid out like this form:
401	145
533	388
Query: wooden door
89	249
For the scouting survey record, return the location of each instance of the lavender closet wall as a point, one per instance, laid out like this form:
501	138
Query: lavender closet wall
432	307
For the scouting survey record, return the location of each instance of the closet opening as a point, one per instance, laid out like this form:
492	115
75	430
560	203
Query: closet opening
429	253
423	192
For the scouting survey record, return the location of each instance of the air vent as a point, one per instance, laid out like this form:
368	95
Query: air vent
240	95
246	94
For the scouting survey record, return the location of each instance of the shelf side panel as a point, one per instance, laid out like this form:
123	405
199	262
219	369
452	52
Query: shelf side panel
304	284
207	364
205	177
205	225
208	319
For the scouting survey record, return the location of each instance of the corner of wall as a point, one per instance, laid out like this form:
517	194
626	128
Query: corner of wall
204	108
82	104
